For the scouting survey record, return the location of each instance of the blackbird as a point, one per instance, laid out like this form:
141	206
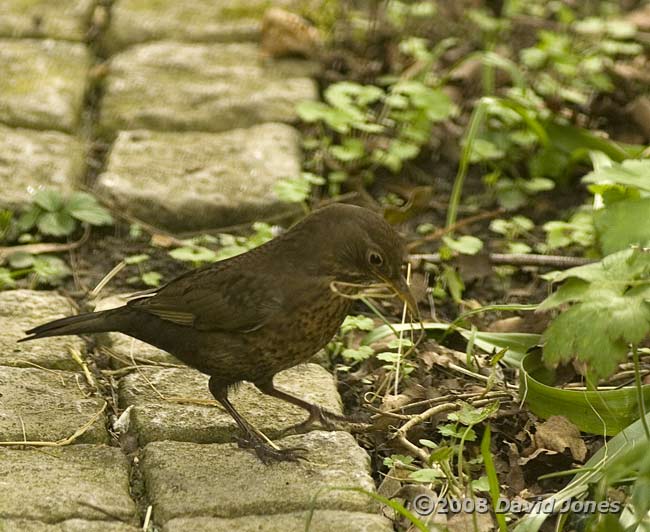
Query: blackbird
255	314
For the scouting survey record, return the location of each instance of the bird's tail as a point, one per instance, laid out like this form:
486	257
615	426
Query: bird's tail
91	322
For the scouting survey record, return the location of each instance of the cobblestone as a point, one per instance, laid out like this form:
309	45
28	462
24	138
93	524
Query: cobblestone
321	521
188	181
38	405
43	83
221	480
55	484
23	309
32	159
173	86
137	21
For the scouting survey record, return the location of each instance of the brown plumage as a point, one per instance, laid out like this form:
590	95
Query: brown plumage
251	316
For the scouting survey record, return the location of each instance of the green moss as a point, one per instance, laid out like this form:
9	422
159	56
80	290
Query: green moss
244	11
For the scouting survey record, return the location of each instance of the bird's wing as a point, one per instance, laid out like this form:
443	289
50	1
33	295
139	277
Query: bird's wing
216	298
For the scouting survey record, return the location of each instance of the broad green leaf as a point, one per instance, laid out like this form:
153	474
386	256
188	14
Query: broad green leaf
49	200
57	223
151	278
6	280
484	150
594	412
469	415
622	224
193	254
612	298
631	172
292	190
50	269
311	111
403	150
359	322
572	290
20	260
466	244
29	218
350	150
427	475
86	208
359	354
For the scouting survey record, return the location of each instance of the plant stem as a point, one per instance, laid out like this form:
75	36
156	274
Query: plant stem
639	390
474	123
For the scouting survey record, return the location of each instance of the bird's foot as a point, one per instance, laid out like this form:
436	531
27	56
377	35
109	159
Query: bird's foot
325	419
269	453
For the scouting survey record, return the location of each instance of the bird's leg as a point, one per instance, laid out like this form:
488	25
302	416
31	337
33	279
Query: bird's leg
265	449
317	414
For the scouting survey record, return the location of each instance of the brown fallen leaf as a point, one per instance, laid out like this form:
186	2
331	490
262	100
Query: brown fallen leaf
557	434
285	33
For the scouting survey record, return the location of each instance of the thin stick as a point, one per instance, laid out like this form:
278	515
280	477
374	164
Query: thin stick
107	278
76	355
401	332
44	247
147	518
515	259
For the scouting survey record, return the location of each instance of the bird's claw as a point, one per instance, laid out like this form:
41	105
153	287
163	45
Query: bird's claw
269	454
326	419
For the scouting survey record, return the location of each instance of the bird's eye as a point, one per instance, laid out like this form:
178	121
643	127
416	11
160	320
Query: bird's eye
375	258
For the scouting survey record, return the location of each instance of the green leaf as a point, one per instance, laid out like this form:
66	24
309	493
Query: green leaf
136	259
403	150
484	150
613	298
622	224
49	269
427	475
29	218
49	200
359	322
350	150
466	244
312	111
151	278
193	254
292	190
537	184
6	280
469	415
20	260
56	223
631	172
604	411
85	207
358	355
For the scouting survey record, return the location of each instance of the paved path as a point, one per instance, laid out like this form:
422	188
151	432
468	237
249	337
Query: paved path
198	132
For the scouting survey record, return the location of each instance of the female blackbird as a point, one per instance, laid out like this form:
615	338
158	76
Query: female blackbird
253	315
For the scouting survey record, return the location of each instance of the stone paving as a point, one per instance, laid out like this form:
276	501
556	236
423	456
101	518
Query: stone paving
198	127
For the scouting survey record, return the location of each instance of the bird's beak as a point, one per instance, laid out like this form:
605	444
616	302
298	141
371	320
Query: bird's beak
404	293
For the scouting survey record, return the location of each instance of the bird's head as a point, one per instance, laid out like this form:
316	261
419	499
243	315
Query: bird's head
356	245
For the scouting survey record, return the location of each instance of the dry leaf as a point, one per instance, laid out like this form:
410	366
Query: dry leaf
285	33
558	434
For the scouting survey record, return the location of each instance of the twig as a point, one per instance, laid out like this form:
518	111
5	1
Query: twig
76	355
515	259
401	333
107	278
44	247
